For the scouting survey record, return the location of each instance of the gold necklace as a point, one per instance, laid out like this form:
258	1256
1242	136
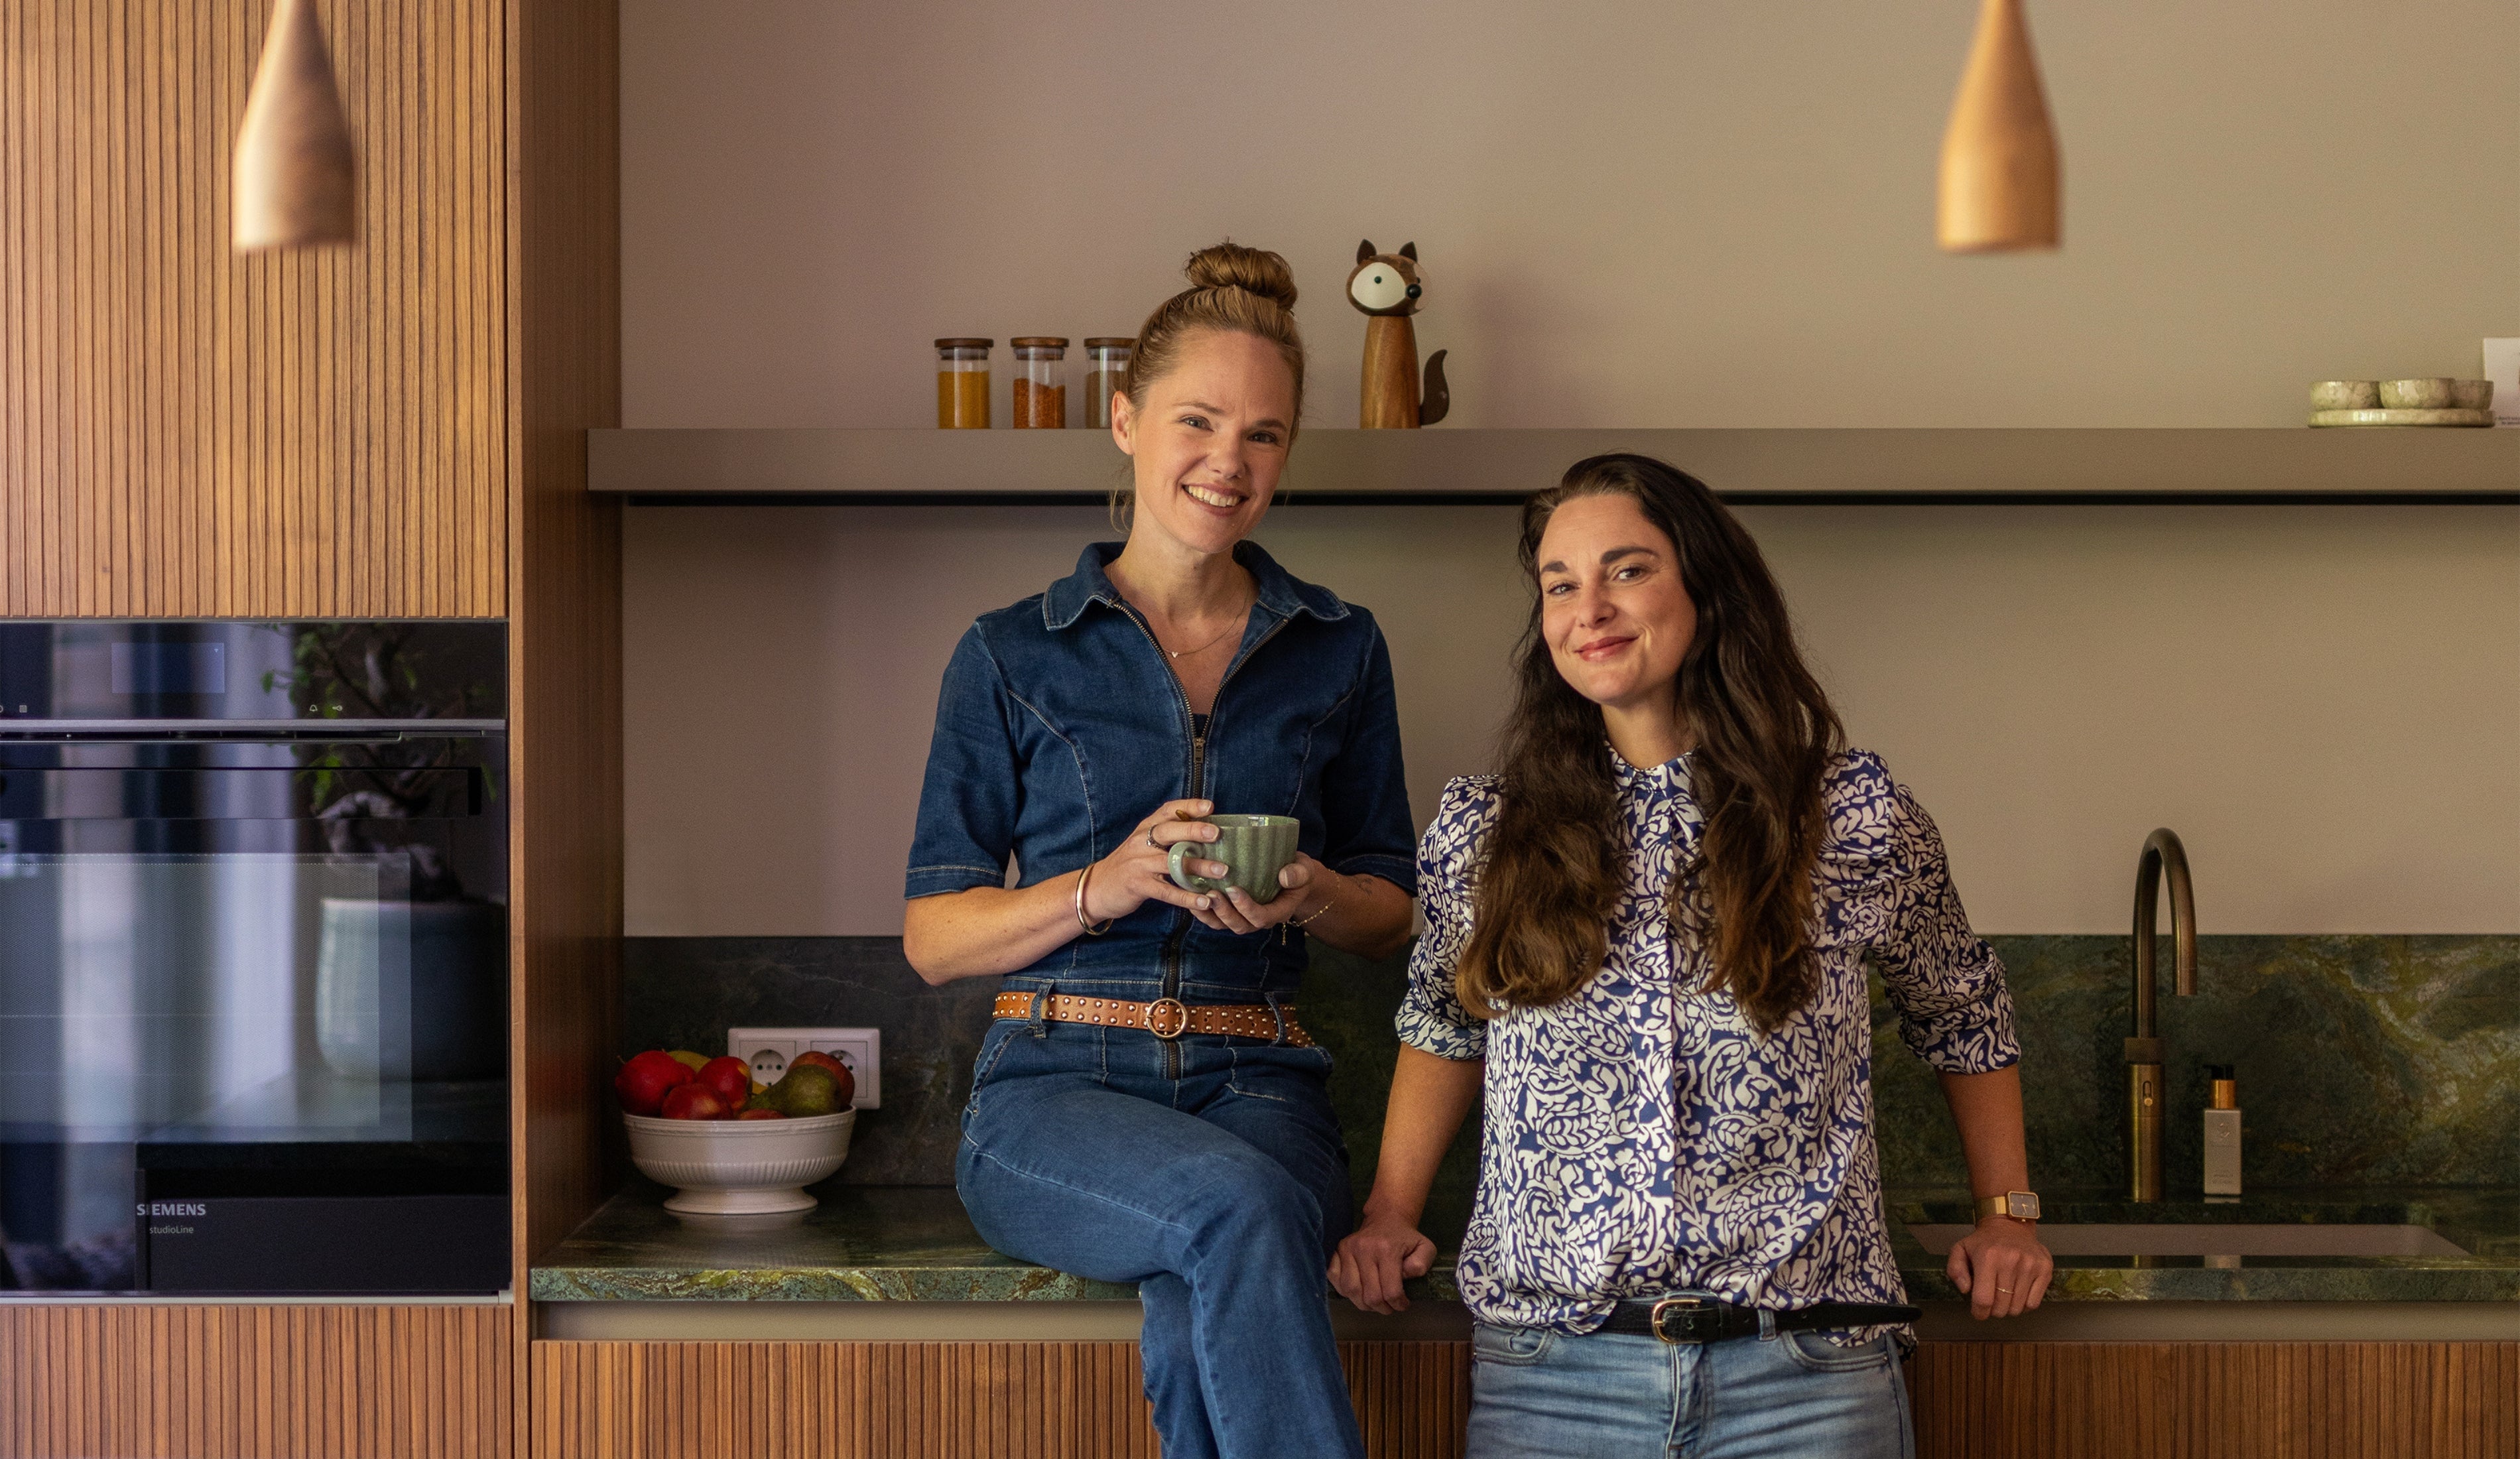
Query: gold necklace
1239	621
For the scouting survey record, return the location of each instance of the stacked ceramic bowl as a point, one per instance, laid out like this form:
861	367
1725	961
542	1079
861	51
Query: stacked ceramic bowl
2433	401
740	1166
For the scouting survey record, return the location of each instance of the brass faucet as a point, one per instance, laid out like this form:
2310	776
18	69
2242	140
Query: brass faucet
2161	851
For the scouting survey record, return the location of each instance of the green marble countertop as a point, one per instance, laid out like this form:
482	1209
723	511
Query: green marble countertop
915	1244
863	1242
2484	1221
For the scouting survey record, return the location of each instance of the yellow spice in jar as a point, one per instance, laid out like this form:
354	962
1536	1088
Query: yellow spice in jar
962	399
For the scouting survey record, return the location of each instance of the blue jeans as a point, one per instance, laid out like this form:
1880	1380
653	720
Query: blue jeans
1545	1394
1211	1173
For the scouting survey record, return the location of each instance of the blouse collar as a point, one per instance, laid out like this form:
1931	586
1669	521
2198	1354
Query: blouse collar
1670	774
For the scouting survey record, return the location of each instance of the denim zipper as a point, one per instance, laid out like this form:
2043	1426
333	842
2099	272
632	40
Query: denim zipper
1197	777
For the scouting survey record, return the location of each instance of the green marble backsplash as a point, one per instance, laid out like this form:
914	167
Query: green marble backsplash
2361	1058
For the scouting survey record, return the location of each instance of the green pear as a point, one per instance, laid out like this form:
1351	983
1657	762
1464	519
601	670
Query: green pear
806	1091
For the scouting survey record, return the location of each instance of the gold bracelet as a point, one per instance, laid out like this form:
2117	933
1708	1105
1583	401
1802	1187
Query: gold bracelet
1082	876
1314	914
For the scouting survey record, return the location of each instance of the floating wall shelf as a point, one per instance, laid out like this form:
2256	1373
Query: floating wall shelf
1439	466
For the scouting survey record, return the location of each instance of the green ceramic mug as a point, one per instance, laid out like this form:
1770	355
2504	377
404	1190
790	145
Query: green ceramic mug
1257	847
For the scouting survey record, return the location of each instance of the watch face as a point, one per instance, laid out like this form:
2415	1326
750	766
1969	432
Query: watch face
2022	1205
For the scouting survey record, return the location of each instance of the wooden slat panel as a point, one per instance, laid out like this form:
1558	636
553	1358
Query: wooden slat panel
2218	1401
940	1400
564	677
1413	1399
559	72
177	1381
186	434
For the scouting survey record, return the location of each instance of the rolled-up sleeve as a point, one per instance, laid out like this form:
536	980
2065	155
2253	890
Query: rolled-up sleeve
1946	984
1365	790
1431	1015
972	792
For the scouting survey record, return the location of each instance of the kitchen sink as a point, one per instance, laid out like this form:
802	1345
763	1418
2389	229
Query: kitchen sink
2215	1239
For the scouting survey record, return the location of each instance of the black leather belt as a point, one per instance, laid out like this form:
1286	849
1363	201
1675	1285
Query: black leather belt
1705	1319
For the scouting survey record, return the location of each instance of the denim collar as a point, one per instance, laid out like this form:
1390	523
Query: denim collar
1280	592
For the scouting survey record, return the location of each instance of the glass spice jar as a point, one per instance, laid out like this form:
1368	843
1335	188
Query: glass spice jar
1040	382
962	383
1107	364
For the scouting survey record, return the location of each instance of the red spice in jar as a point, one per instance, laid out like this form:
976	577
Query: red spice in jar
1040	382
1039	405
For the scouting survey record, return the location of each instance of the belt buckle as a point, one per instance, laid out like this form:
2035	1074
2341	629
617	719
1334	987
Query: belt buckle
1691	1307
1179	1017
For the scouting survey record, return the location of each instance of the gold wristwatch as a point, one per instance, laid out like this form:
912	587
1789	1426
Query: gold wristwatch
2020	1205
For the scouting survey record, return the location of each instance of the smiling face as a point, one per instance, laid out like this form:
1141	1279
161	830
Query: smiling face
1614	610
1209	441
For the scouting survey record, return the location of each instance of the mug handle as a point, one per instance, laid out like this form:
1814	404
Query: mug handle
1182	879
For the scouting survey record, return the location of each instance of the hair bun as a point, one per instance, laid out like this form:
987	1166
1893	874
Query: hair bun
1230	266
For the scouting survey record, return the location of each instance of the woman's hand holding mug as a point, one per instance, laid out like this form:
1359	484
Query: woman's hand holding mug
1141	870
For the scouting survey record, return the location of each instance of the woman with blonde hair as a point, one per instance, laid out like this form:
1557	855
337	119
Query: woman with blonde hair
1645	942
1147	1108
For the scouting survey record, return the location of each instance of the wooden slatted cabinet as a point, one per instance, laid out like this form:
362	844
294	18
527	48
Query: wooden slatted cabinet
938	1400
395	430
149	1381
1079	1400
189	434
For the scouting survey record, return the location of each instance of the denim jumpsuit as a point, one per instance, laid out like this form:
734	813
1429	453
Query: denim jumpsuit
1209	1171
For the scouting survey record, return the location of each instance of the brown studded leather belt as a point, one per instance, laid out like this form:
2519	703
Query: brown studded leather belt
1165	1018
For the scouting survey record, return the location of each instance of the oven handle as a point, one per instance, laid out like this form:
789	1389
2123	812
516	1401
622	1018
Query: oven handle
475	792
243	731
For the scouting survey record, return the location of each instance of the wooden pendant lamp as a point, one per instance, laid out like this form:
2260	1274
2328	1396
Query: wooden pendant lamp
1998	186
296	175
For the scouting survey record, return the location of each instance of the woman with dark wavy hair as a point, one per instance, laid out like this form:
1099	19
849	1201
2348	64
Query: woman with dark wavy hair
1647	938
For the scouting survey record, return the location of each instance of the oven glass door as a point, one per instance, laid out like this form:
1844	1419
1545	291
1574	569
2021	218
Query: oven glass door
253	1022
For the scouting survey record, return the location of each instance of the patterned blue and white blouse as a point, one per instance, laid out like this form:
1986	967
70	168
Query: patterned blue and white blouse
1641	1137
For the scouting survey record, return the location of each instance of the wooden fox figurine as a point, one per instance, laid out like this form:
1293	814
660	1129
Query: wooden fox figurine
1386	287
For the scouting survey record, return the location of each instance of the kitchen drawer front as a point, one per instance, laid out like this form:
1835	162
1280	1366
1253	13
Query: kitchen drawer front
939	1401
189	1381
2217	1400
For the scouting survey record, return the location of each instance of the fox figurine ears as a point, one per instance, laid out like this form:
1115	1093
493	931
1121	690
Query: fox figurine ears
1384	282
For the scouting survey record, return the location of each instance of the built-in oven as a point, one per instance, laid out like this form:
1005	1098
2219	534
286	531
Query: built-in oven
253	957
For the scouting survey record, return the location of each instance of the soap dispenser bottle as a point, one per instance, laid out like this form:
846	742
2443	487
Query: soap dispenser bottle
2222	1133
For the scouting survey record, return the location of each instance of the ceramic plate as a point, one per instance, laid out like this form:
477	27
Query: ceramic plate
2401	418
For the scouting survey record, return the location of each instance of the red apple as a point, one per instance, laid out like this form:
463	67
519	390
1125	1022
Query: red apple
695	1101
761	1114
643	1082
729	1079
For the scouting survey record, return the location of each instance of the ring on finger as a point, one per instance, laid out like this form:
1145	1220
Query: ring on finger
1151	839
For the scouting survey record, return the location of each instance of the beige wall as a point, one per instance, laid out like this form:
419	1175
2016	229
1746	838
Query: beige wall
1648	212
1637	214
2321	701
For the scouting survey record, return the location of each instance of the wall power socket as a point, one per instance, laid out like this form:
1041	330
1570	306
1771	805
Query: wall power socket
860	1049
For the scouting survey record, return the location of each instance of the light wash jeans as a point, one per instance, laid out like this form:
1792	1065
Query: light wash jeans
1614	1395
1212	1174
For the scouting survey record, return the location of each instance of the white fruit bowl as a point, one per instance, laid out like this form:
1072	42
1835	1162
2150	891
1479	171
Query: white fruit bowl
740	1166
